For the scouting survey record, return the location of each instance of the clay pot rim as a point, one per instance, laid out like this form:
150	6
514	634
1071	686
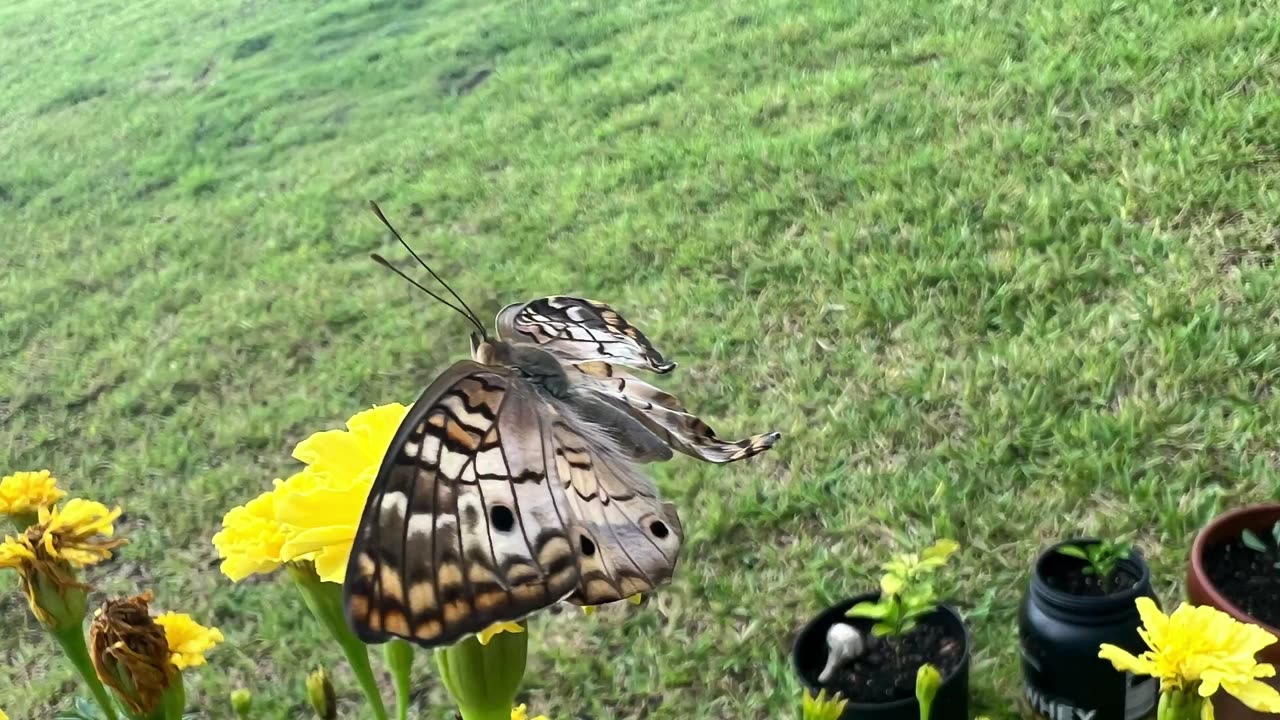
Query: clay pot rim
944	609
1201	544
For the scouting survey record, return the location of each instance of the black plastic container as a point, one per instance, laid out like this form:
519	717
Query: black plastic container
809	655
1060	634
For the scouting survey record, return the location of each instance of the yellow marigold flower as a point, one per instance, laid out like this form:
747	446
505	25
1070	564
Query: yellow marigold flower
188	640
76	532
3	716
28	492
320	507
130	654
1201	648
485	635
519	712
250	539
54	595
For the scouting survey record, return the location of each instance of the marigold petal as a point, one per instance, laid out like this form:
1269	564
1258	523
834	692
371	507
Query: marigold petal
188	640
250	540
1124	661
1154	622
15	551
1255	694
484	636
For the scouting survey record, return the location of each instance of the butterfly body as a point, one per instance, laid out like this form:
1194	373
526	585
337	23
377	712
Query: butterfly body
515	481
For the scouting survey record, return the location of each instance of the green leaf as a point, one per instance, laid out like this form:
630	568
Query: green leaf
882	629
891	584
872	610
1275	533
1074	551
1252	541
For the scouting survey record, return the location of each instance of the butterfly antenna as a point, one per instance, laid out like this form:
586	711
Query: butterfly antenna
384	263
475	319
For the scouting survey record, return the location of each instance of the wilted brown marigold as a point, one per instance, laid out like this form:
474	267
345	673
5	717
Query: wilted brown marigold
130	652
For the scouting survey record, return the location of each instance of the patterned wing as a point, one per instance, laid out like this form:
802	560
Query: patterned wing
462	528
578	330
626	538
494	501
662	414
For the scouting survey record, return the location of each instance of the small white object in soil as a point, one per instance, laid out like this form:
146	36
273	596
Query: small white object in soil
845	643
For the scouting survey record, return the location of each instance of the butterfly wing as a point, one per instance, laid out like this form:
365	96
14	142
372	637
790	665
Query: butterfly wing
579	330
462	528
663	415
494	501
627	539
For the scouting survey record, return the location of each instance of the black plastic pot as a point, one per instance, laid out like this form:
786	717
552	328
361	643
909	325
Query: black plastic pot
1060	633
809	655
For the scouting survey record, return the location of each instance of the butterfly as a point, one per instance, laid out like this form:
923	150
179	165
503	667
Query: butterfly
515	481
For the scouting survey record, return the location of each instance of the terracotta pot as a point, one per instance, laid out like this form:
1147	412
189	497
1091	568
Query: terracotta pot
1201	591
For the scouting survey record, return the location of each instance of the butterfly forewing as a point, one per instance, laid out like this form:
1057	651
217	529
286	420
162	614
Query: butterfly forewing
580	330
663	415
462	527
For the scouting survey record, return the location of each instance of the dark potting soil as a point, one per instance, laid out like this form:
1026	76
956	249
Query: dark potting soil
1246	577
887	670
1075	581
1069	576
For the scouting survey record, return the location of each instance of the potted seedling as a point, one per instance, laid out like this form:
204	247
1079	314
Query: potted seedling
1082	594
869	649
1235	567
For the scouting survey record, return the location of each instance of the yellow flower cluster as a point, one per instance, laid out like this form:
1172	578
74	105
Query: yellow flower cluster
1201	649
28	492
314	514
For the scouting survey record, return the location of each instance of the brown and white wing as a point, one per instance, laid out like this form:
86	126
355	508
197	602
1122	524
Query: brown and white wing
663	414
465	525
627	539
579	330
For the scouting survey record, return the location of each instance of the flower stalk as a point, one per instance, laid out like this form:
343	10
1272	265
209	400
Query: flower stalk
71	640
399	656
324	600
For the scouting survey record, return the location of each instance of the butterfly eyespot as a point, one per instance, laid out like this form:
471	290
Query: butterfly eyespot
588	547
659	529
502	517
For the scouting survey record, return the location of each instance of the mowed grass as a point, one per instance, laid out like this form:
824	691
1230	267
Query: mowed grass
1002	271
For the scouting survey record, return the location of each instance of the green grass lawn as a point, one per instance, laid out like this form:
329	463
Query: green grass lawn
1002	271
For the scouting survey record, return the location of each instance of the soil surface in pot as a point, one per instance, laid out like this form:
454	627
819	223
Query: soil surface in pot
887	670
1069	575
1246	577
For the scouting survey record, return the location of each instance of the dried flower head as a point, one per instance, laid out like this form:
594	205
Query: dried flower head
130	652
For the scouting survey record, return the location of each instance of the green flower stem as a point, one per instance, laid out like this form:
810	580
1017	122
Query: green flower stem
74	647
399	655
1180	705
484	714
173	702
325	602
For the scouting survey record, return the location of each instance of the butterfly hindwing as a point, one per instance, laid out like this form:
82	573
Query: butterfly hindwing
626	538
462	528
580	330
